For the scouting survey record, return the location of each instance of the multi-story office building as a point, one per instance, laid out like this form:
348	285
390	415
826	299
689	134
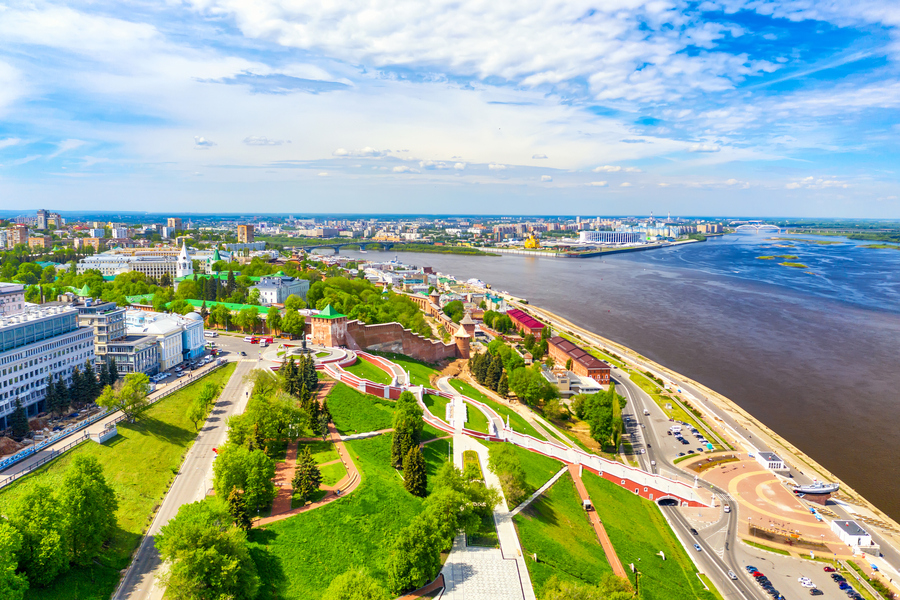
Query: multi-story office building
134	354
275	290
245	234
174	223
178	337
12	298
609	237
154	266
36	344
41	221
106	319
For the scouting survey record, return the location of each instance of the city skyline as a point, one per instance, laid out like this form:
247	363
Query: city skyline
721	108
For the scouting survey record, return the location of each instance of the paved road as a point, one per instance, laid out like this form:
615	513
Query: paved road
191	484
711	562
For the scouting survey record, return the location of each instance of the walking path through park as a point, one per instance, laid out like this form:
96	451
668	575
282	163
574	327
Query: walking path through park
284	474
472	572
594	518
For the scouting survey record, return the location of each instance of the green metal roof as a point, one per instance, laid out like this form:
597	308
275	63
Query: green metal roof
140	299
329	313
263	310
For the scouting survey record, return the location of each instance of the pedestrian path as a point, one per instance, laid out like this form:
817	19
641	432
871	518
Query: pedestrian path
540	491
594	518
477	569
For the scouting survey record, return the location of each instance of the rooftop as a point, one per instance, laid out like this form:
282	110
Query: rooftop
851	528
329	313
770	457
578	354
524	318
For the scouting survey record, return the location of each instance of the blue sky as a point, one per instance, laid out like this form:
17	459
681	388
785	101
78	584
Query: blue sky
720	107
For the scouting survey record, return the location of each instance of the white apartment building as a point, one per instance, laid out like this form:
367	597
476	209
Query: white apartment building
12	298
179	337
37	343
111	264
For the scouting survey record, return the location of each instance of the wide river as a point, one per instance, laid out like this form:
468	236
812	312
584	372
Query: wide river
812	352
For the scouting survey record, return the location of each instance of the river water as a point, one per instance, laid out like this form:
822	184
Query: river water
812	352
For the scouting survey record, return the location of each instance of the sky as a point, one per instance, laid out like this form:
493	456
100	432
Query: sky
717	107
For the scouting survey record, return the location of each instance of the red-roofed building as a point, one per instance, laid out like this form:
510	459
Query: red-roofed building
525	323
583	363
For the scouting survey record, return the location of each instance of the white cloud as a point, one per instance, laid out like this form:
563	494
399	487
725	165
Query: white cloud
704	148
496	167
323	174
546	178
6	143
405	169
663	184
431	165
625	184
632	170
606	169
26	159
814	183
538	156
261	140
65	146
460	166
366	152
201	143
598	184
623	49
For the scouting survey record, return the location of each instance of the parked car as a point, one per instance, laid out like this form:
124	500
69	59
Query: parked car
750	568
694	531
829	569
816	592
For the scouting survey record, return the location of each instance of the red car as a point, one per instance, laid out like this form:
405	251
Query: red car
830	569
757	574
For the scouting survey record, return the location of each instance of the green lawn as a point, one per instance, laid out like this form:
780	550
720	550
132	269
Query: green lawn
516	421
315	547
639	531
332	473
355	412
419	372
475	419
539	469
322	452
139	464
366	370
436	453
556	529
437	405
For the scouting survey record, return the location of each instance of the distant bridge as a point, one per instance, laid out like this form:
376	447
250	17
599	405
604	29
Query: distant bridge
757	228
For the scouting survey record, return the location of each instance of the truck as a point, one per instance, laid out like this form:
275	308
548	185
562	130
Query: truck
647	412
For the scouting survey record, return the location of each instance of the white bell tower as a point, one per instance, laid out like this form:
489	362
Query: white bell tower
185	267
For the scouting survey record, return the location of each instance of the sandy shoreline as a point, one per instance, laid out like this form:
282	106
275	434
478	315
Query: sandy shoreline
792	455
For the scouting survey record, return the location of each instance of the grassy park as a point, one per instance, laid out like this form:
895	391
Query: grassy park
639	532
419	372
322	452
436	454
539	469
516	421
475	419
315	547
556	529
140	464
355	412
437	405
366	370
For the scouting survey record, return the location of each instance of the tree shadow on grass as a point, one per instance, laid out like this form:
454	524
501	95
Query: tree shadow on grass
271	574
168	432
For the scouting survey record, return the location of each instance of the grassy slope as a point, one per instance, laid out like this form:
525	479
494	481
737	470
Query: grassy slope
436	454
475	419
419	372
367	370
639	531
316	546
139	463
556	529
539	469
516	421
355	412
437	405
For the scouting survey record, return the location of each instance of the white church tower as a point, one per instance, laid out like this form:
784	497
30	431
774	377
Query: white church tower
185	267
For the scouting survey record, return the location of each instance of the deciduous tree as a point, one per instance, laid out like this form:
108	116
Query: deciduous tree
130	398
89	504
38	517
355	585
12	584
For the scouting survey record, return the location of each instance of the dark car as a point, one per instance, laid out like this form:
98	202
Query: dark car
681	454
750	568
693	531
844	585
243	353
816	592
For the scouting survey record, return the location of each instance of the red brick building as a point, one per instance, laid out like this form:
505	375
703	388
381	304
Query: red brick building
525	323
583	364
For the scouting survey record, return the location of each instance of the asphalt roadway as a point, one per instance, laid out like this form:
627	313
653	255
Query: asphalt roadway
191	484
